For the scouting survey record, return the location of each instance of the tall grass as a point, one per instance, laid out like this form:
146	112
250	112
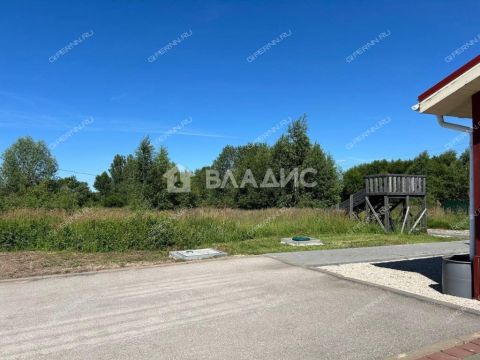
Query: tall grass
438	218
100	230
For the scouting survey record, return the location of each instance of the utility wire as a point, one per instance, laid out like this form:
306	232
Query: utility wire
76	172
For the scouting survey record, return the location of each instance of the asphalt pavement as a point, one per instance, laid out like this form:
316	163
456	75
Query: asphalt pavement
235	308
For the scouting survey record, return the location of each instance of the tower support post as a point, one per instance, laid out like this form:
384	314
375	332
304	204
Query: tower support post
386	215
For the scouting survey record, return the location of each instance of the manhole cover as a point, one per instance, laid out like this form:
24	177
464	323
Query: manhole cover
197	254
292	242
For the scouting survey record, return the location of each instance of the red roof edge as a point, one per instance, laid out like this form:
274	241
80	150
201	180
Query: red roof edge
449	78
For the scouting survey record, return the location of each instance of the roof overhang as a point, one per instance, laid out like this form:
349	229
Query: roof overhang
453	95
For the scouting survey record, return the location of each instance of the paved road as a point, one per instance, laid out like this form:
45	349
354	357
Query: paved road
377	253
237	308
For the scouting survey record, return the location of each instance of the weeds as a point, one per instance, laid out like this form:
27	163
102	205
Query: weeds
106	230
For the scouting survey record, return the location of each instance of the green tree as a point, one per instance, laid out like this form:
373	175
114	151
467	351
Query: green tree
251	169
103	184
326	191
160	198
78	190
299	141
117	170
27	163
144	160
201	194
225	162
419	165
445	178
288	155
353	181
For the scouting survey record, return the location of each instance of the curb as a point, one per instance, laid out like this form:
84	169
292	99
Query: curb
119	269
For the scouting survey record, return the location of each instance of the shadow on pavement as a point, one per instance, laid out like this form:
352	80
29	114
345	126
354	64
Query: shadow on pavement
429	267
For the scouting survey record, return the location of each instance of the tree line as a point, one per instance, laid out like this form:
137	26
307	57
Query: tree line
139	178
252	176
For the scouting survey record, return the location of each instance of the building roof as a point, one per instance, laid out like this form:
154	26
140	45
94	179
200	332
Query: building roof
452	95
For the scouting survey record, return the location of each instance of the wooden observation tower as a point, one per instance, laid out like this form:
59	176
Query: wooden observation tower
395	202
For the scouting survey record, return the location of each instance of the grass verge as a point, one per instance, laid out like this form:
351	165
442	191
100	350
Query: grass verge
18	264
272	244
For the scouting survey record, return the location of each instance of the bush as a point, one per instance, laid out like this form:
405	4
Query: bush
24	234
114	200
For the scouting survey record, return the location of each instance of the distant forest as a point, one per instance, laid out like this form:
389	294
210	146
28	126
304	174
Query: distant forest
28	177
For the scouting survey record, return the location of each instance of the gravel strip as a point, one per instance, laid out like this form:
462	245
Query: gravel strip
416	276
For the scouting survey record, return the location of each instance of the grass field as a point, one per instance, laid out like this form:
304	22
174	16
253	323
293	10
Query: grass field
36	242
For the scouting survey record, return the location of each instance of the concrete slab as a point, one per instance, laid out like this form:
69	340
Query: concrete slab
197	254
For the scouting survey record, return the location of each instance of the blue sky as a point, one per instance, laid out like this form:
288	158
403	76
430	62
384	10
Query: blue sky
206	88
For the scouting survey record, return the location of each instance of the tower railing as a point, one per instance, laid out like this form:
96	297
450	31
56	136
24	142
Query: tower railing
392	184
